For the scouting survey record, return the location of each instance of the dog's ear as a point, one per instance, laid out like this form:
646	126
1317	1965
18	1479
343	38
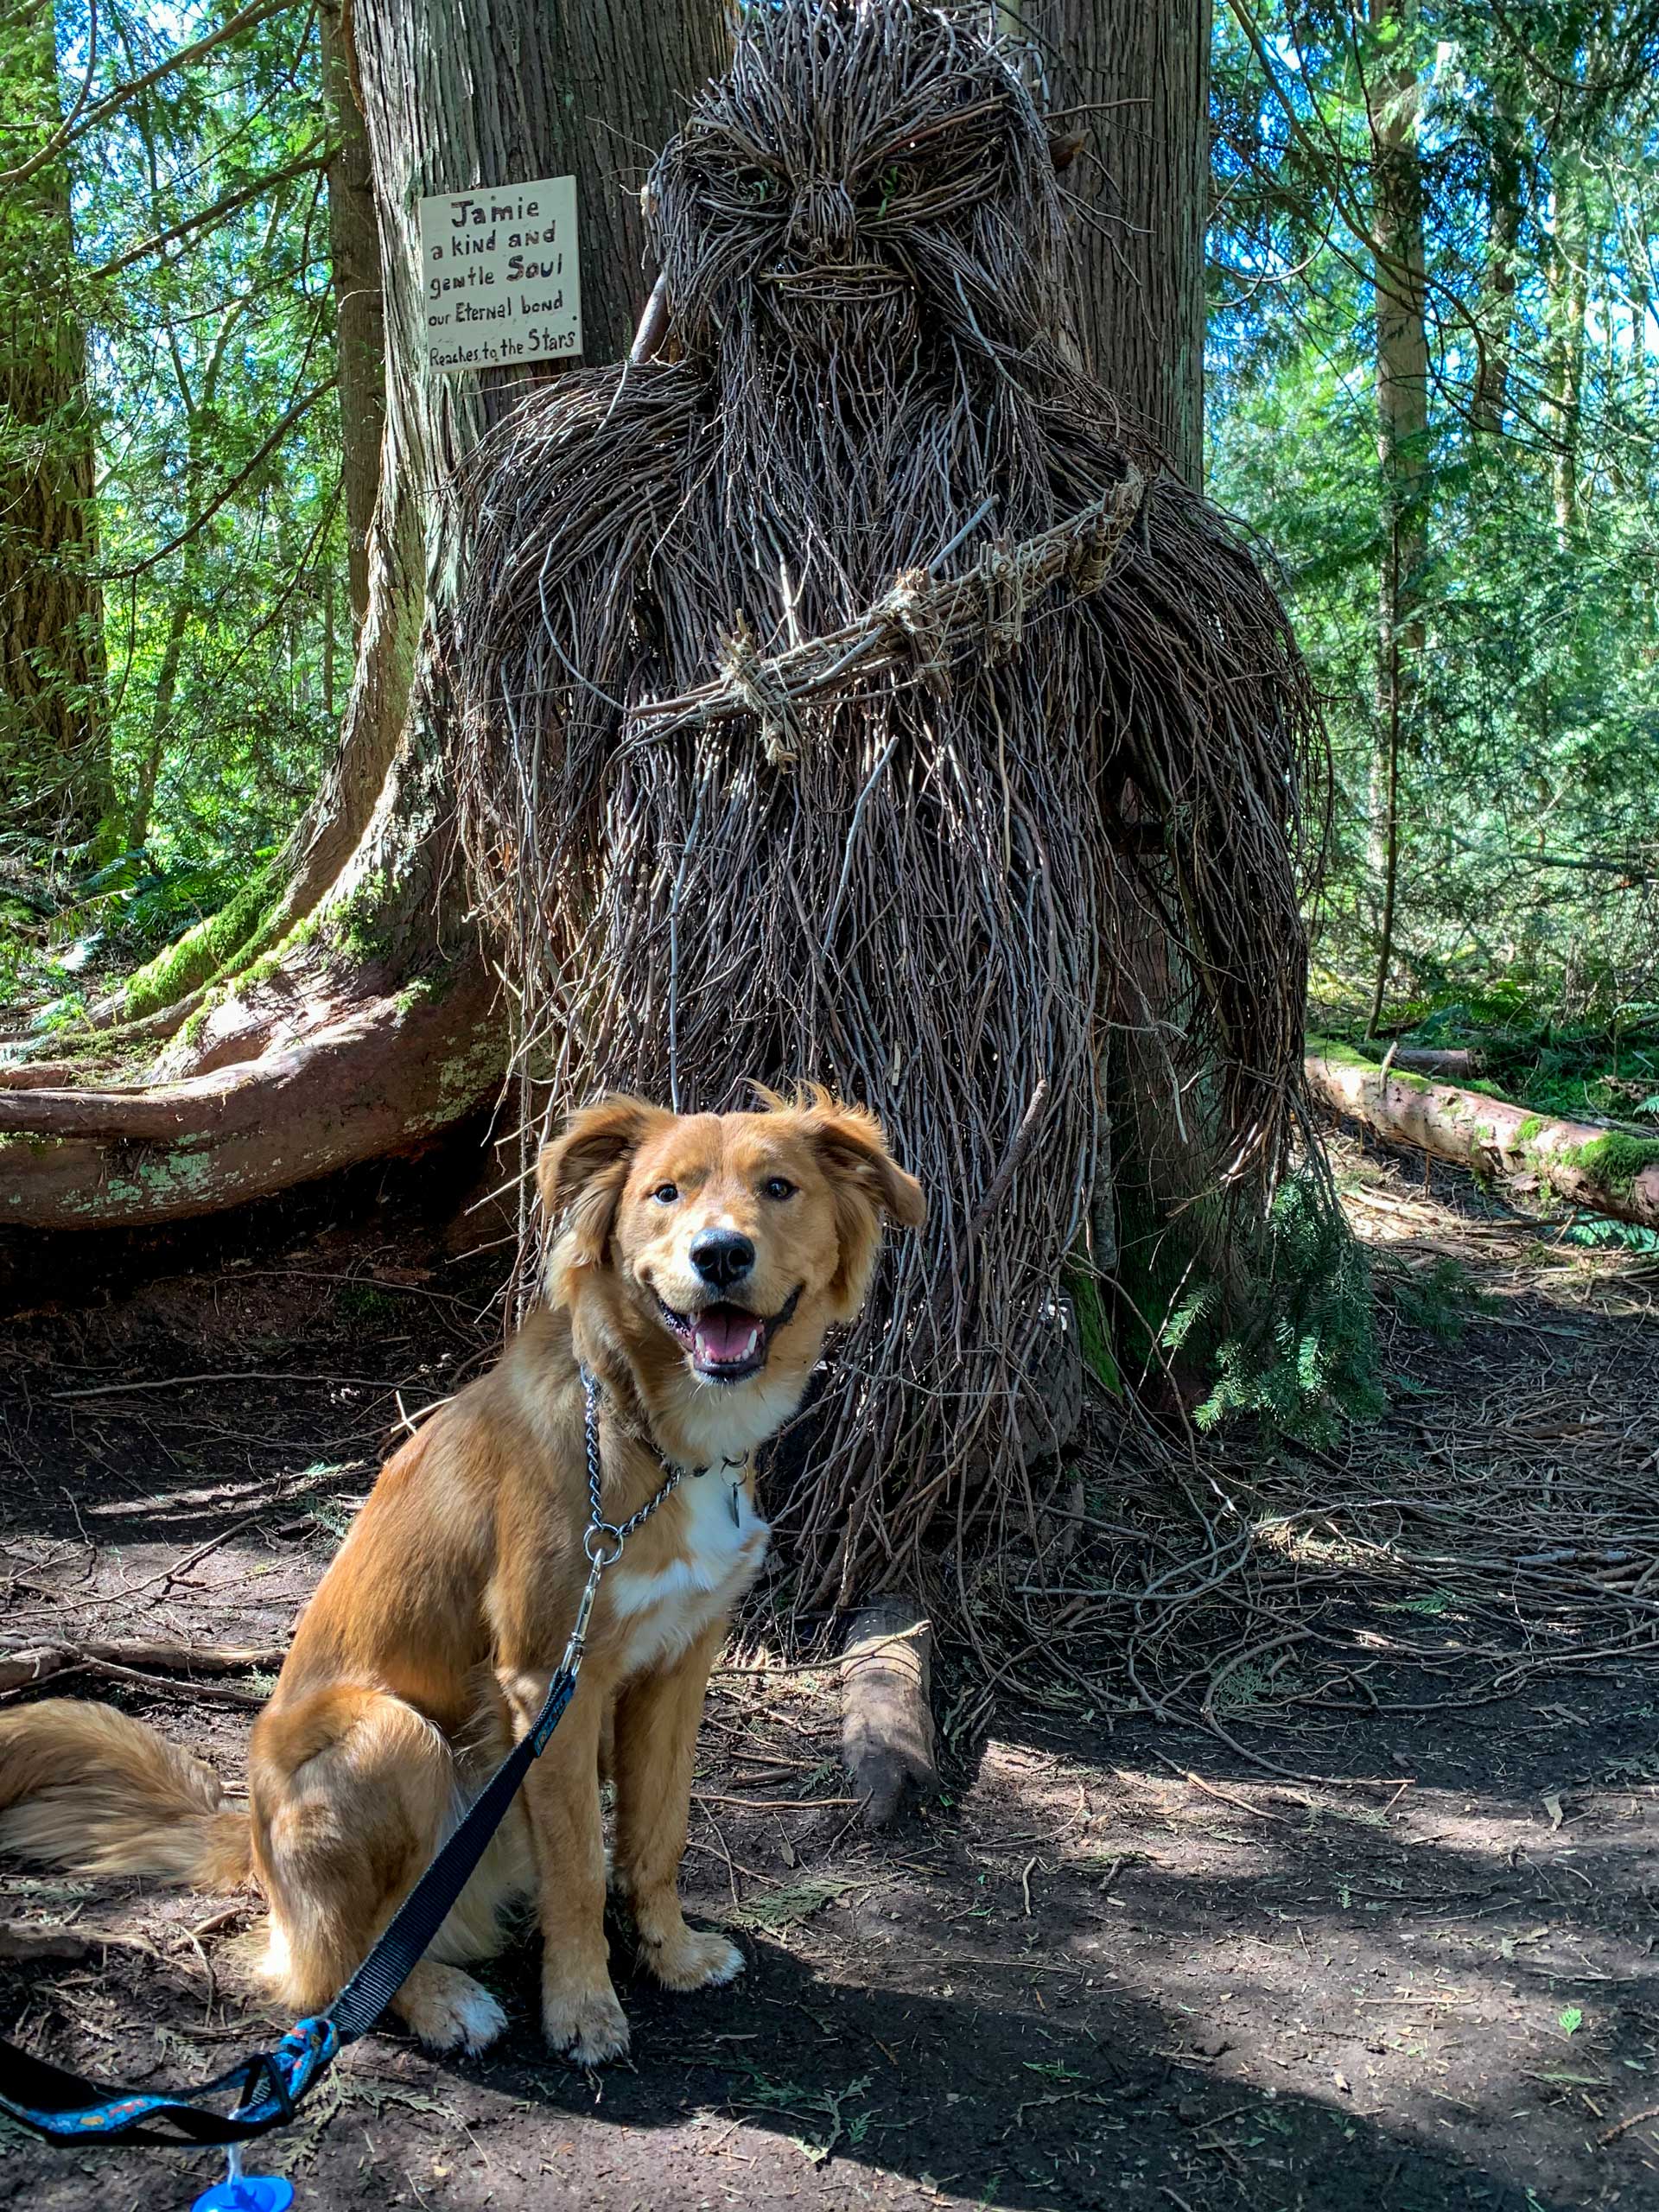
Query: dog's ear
868	1182
580	1175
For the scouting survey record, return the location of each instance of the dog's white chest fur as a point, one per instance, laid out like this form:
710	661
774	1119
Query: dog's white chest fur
722	1544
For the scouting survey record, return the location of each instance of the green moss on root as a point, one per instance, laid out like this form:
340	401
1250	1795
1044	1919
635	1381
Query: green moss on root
200	954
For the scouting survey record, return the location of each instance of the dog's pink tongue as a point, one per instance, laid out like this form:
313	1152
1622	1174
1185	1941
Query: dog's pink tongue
725	1337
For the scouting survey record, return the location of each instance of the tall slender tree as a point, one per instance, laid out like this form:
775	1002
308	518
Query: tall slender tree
354	251
1393	97
55	757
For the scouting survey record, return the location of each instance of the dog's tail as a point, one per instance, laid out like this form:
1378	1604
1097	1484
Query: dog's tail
84	1786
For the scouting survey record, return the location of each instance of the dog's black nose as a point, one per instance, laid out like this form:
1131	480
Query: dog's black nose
721	1257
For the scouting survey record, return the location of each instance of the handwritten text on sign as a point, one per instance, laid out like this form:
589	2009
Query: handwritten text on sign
498	275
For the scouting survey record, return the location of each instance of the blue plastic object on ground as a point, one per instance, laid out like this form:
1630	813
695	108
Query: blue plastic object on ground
247	2193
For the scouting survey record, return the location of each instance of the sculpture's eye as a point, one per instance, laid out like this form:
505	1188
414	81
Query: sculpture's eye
756	185
891	183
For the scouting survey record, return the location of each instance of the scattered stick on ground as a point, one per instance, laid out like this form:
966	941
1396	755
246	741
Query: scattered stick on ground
20	1669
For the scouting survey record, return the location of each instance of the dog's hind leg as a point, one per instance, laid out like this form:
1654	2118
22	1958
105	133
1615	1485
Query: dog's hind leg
353	1791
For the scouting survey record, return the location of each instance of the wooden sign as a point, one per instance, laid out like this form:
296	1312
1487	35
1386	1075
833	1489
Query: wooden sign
499	278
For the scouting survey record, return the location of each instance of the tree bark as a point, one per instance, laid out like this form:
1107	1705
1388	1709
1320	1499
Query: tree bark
1609	1171
1133	80
354	250
887	1727
55	746
1392	101
365	1023
1567	289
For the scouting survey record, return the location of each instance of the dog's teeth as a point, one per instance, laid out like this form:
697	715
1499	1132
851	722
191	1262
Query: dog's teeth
728	1339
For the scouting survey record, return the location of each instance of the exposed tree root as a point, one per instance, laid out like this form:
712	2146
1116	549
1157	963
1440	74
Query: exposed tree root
1613	1172
376	1075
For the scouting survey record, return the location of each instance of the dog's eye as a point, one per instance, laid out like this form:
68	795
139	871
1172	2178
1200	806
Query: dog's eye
665	1193
776	1186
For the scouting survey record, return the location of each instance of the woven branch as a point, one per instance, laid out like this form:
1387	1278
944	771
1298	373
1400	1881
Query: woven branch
920	624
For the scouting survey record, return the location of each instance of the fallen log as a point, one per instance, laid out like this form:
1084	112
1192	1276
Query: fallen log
1456	1063
886	1733
1613	1172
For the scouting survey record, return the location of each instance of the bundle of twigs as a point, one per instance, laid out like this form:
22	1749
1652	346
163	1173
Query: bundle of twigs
918	623
1042	817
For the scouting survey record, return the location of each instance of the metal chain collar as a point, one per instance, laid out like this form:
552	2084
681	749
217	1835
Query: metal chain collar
603	1539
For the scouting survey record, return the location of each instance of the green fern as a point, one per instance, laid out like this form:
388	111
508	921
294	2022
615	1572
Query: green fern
1303	1358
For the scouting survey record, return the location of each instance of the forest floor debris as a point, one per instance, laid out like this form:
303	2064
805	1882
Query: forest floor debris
1121	1959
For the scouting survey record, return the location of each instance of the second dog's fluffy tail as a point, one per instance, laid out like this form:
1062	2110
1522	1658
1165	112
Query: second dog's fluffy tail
84	1786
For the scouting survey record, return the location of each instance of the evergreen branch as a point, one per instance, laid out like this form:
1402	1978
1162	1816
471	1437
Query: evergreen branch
81	119
233	485
317	158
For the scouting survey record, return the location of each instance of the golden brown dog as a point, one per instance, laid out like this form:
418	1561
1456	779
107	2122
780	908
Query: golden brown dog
700	1263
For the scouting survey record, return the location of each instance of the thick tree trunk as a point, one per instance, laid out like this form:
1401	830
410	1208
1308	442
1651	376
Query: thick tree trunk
1132	82
54	755
1609	1171
363	1023
1393	97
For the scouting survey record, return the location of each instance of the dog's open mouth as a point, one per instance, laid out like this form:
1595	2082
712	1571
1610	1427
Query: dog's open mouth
726	1343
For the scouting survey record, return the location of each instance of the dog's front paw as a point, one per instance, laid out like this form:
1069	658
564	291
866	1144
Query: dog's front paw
446	2010
693	1960
588	2025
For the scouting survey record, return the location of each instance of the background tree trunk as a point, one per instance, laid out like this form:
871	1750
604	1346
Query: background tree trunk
1393	97
365	1023
1497	303
55	746
1132	78
1568	283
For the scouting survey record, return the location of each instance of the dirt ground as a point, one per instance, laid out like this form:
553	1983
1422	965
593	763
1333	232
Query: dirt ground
1120	1962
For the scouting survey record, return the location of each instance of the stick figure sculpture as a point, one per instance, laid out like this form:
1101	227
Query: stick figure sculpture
851	697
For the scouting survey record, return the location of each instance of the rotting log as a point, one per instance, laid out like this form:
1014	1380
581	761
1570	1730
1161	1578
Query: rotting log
886	1729
1612	1171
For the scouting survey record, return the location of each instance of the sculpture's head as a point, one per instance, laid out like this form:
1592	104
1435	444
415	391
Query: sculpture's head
864	176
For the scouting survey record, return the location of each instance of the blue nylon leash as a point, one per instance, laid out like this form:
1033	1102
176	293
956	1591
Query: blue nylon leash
64	2108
